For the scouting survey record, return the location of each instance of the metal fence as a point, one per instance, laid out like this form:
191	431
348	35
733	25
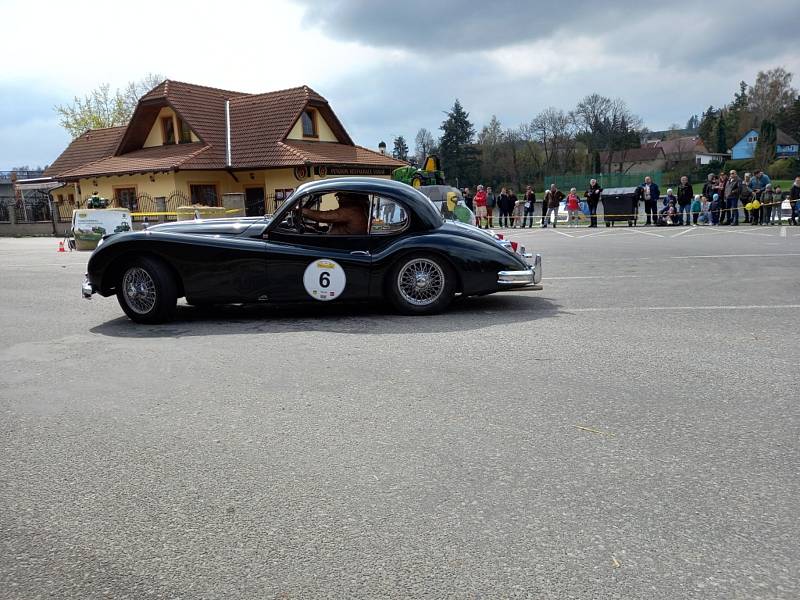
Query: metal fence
34	208
606	180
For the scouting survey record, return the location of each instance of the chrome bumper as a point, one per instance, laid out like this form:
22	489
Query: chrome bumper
86	288
517	279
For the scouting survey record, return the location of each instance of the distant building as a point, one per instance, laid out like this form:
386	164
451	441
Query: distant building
786	146
686	150
634	160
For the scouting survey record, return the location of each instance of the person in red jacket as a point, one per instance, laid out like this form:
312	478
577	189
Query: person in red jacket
479	201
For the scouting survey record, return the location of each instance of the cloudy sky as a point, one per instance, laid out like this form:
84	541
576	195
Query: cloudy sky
389	68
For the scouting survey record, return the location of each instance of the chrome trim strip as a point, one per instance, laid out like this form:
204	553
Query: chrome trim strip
515	277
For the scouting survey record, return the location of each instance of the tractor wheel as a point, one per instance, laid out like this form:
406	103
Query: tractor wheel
417	181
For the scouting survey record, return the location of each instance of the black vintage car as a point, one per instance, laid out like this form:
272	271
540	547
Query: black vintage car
405	251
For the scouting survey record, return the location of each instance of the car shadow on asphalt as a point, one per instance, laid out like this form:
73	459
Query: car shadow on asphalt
465	314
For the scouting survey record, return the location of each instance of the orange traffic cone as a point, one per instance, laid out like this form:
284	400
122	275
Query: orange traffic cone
61	246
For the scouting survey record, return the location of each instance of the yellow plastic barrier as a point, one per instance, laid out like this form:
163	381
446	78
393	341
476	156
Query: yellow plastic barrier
187	213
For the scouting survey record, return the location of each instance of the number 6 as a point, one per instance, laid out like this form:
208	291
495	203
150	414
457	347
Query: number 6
324	279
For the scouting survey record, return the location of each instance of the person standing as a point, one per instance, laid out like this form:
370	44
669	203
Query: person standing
733	189
468	199
685	197
715	209
592	195
709	187
552	198
794	202
528	207
502	205
573	206
722	181
491	202
650	194
697	208
515	208
776	213
480	207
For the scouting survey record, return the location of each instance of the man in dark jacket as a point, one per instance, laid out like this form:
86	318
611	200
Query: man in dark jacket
592	195
529	206
650	195
794	202
733	189
552	199
685	197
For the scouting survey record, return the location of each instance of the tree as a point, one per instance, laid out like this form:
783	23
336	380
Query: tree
771	93
490	140
424	144
608	124
706	125
789	119
102	108
459	155
400	150
693	122
555	131
765	147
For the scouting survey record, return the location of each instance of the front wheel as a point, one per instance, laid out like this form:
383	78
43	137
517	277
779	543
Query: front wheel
147	291
421	285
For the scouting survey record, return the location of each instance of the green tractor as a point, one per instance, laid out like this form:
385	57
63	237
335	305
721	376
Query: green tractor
430	174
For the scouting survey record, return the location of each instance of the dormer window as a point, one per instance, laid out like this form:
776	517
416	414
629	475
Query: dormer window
186	133
168	130
309	123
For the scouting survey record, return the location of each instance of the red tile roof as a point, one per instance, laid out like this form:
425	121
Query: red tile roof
158	158
644	154
91	146
259	126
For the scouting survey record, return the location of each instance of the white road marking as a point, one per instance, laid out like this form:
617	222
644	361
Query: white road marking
783	231
734	256
562	233
597	277
681	308
687	230
636	230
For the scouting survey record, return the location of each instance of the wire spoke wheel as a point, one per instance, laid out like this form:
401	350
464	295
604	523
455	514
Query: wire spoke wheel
420	282
139	290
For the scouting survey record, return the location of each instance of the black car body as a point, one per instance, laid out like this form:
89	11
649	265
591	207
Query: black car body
285	258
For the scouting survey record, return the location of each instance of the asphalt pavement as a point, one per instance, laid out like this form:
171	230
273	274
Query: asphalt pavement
630	431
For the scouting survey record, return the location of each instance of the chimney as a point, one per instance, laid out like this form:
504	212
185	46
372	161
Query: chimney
382	147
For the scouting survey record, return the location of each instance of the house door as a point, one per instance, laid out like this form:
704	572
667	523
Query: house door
254	201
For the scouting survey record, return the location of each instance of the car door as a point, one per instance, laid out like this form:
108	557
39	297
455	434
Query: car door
316	266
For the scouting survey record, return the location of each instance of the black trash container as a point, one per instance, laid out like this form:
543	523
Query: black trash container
620	204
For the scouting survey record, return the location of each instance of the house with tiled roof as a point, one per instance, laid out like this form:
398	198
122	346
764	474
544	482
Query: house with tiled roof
190	144
785	145
634	160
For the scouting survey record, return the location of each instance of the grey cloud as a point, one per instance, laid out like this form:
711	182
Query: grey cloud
680	32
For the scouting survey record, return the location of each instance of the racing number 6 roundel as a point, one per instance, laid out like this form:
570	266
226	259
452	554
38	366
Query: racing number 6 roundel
324	279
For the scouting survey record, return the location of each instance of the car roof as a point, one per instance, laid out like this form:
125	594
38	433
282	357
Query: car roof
412	198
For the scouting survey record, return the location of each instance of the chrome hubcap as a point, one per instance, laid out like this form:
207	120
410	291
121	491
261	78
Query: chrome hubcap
139	290
420	282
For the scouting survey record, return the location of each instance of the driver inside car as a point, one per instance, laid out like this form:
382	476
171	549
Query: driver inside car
350	218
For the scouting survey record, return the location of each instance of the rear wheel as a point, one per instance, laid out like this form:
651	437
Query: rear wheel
417	181
147	291
421	284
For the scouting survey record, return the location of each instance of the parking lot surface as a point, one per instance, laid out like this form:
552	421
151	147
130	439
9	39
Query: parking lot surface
630	431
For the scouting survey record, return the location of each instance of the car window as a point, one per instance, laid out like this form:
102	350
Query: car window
388	216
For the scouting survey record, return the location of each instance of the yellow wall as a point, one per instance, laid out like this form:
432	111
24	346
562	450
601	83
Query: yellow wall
156	135
164	184
324	132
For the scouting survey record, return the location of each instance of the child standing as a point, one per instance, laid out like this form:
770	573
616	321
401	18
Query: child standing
777	200
696	207
714	209
573	206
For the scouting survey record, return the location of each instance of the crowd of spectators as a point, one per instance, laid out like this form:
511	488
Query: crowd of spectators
721	200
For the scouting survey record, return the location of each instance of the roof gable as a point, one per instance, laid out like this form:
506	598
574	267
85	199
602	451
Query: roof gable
784	139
